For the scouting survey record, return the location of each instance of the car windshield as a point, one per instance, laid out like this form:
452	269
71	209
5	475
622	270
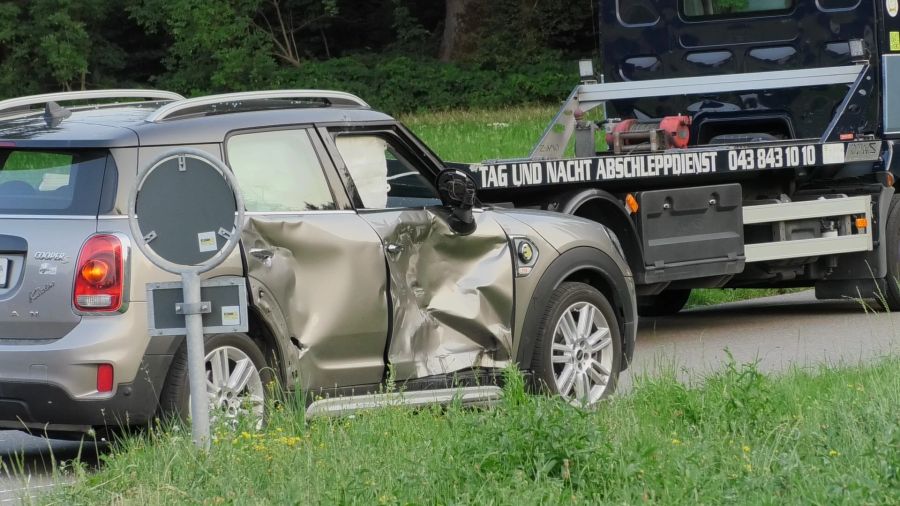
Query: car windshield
51	182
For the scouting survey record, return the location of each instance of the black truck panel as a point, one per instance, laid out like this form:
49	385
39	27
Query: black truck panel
658	39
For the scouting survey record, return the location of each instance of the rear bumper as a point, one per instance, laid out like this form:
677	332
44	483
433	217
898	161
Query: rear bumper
40	406
53	386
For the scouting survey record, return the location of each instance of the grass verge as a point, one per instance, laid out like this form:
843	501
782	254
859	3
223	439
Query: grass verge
712	296
478	135
822	437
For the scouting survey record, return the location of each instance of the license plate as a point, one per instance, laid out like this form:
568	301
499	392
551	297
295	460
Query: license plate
4	272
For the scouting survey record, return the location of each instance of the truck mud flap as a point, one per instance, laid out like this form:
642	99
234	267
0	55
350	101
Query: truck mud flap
691	232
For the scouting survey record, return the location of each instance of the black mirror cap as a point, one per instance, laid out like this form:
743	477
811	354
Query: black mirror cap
457	191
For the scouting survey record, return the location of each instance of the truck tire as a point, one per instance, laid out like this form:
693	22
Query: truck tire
892	295
238	358
578	351
666	303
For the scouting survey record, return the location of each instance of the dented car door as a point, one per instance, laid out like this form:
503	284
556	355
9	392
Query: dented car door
317	270
451	295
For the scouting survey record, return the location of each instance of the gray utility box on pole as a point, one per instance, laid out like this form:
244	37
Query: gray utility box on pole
186	214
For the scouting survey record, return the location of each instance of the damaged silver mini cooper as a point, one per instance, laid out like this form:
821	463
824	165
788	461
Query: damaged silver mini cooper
363	256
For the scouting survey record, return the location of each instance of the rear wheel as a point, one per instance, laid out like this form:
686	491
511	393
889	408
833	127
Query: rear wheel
892	280
666	303
578	353
236	381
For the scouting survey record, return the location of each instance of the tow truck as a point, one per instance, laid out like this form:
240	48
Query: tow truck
743	143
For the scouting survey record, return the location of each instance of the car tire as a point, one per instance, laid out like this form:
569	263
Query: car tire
892	280
245	364
666	303
581	364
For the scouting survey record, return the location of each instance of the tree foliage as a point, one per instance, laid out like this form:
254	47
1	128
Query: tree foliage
55	44
203	46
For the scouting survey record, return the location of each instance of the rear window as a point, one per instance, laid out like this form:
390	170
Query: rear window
52	182
704	9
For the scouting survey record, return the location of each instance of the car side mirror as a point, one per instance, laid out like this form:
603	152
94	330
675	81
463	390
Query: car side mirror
457	191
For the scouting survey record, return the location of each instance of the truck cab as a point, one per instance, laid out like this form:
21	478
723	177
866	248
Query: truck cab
741	143
663	39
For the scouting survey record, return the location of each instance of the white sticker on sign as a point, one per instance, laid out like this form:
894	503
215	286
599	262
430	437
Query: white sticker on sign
833	153
231	315
207	241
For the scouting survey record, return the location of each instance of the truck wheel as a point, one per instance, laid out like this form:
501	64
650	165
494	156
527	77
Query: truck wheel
578	352
666	303
237	381
893	256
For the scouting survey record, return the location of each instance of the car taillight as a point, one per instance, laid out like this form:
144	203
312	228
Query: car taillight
100	275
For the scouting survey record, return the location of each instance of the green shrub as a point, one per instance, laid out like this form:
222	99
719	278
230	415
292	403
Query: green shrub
398	84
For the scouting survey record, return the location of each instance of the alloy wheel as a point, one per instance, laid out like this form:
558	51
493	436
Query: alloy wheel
234	387
582	354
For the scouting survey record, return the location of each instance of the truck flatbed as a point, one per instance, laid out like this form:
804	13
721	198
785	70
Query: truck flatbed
693	163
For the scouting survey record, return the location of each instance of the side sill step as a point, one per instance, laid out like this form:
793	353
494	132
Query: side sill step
468	396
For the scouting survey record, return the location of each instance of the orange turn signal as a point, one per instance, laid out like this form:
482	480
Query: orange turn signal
95	271
631	203
862	223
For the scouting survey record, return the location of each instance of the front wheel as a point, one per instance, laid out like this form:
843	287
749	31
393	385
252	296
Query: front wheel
578	352
236	381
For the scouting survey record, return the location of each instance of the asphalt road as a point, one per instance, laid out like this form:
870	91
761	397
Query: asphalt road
780	332
27	464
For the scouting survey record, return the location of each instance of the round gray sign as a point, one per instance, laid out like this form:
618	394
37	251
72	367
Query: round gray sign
186	211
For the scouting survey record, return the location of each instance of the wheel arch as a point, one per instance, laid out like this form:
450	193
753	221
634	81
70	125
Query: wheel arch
604	208
262	333
268	329
592	267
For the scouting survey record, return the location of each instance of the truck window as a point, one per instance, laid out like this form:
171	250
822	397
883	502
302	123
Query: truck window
891	100
636	13
700	9
837	5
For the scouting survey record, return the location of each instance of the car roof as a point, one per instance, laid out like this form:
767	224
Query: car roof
129	124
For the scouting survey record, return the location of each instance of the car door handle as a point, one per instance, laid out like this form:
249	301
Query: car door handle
262	253
393	249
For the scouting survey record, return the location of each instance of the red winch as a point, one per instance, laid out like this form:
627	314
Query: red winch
655	134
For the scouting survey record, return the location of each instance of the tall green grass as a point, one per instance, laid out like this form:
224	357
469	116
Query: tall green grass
476	135
830	436
711	297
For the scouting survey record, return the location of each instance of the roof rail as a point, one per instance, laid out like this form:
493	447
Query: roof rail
182	107
14	104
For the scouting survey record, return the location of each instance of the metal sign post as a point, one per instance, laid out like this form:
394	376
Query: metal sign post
186	214
196	359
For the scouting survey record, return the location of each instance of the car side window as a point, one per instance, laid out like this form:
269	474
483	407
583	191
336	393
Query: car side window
279	171
383	177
